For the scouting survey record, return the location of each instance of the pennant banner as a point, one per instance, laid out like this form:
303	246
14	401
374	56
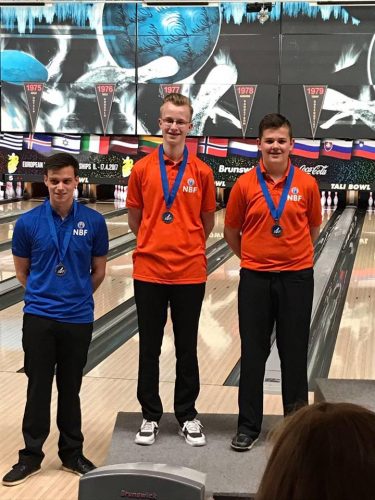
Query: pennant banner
245	97
33	91
168	88
314	95
104	95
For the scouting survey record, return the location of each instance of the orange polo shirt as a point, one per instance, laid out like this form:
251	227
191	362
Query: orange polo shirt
171	253
247	209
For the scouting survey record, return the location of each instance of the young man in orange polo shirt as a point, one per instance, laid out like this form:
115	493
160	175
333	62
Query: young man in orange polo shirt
272	219
171	202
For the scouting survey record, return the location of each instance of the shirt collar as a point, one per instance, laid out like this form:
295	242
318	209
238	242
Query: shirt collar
265	174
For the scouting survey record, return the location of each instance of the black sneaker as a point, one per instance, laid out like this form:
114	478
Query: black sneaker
19	473
242	442
79	466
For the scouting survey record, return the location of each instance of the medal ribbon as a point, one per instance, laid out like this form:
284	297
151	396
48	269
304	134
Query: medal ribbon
169	196
68	234
275	212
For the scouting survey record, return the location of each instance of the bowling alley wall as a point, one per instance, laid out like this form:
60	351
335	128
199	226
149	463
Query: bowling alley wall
89	79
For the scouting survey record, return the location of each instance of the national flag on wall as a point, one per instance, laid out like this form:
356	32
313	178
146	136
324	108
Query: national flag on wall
38	142
364	149
307	148
95	143
243	147
337	149
67	143
214	146
127	145
11	141
148	143
192	145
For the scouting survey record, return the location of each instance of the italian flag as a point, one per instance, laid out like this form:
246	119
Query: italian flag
95	144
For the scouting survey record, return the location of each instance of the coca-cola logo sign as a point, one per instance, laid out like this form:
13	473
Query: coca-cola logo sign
315	170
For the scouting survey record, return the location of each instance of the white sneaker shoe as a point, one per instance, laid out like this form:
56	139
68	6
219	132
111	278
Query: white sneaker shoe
192	432
147	432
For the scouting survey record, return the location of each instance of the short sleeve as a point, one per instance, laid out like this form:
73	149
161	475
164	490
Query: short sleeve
21	242
100	243
134	197
236	207
208	193
314	213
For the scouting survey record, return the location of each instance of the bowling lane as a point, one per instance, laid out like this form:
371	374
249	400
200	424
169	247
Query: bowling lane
116	288
13	209
17	208
354	353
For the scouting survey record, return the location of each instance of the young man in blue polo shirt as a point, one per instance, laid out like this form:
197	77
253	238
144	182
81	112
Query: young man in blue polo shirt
60	252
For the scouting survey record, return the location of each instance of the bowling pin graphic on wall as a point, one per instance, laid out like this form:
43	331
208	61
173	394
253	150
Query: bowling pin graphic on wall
33	91
370	201
104	95
323	199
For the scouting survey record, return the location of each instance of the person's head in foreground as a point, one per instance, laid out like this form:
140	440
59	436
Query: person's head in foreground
325	451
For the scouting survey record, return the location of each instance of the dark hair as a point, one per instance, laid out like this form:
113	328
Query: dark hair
178	100
61	160
274	120
325	451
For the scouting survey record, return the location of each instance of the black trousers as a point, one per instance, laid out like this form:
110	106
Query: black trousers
185	303
266	298
49	344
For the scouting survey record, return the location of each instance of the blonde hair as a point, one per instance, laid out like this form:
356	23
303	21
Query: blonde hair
178	100
325	451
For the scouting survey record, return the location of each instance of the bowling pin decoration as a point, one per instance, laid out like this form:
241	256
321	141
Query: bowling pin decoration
323	199
329	199
370	201
76	193
19	190
335	200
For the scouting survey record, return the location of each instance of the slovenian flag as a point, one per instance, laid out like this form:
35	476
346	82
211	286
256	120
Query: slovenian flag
95	144
67	143
307	148
38	142
243	147
127	145
214	146
337	149
364	149
11	141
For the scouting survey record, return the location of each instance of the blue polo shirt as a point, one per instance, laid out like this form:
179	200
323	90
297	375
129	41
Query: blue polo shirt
66	298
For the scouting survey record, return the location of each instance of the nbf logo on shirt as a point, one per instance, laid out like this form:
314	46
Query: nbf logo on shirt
190	188
80	231
294	196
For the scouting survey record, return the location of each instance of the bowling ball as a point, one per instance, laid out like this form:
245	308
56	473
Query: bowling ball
189	34
18	67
